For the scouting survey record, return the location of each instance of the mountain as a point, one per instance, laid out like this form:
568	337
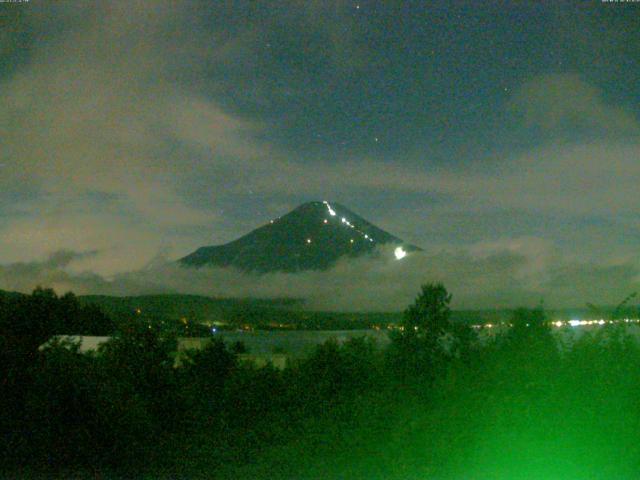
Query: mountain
311	237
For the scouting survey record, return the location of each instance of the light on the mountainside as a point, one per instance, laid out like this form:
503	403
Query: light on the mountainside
400	253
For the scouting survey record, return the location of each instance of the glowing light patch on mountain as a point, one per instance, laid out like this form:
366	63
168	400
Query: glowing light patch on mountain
331	210
345	221
400	253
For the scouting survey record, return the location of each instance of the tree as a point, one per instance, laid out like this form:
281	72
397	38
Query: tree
201	379
429	315
140	356
418	349
531	346
623	309
529	324
336	370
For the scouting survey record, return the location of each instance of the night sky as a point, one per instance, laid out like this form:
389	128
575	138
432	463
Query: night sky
501	137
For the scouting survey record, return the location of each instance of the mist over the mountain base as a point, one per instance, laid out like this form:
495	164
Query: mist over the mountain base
478	278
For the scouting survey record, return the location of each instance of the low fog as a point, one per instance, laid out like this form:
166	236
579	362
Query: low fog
516	273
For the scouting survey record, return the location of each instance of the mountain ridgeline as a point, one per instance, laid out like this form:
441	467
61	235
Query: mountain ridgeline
311	237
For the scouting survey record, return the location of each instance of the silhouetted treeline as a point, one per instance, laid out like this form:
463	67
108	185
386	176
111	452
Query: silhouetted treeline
436	403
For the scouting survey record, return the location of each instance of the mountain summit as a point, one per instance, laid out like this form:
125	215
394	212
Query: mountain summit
311	237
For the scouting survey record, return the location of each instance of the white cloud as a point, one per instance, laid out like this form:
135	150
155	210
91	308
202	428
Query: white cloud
97	110
497	277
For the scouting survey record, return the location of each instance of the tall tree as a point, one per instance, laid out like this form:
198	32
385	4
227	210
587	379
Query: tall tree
429	315
418	348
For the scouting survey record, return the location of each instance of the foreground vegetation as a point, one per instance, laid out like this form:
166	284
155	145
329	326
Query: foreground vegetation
435	404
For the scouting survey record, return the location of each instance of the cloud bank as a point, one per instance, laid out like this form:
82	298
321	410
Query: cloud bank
501	275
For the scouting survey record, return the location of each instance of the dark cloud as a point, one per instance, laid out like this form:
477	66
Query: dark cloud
51	272
62	258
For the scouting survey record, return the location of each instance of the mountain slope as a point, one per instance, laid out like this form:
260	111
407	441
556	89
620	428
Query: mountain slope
311	237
